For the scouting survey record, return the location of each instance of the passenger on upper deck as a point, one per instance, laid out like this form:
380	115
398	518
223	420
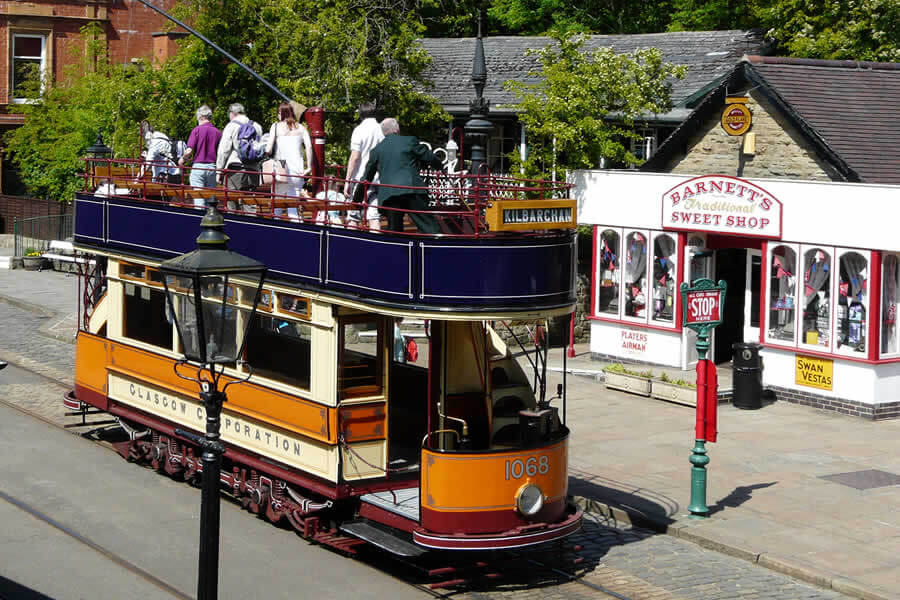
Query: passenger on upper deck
203	144
365	136
159	157
227	156
398	160
290	142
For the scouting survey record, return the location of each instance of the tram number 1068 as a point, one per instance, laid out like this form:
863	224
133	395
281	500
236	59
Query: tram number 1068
531	466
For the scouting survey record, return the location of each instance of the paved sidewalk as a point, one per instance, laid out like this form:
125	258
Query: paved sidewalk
629	457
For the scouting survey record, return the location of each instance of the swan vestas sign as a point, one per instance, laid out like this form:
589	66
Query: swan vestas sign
722	204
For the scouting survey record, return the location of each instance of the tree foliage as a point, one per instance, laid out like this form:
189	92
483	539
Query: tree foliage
587	103
713	15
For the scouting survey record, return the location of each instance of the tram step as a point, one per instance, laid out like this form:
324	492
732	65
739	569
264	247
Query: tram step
381	538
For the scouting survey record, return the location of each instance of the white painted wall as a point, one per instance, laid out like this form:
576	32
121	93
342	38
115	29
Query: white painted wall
850	380
636	343
852	215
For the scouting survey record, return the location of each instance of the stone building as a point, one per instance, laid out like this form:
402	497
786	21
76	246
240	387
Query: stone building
783	182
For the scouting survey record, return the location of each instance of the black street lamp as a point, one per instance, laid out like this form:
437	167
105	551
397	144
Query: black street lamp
201	288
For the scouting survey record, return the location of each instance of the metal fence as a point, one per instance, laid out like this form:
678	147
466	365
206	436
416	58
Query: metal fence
36	233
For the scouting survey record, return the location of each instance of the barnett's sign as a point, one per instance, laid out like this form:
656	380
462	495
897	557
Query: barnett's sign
519	215
722	204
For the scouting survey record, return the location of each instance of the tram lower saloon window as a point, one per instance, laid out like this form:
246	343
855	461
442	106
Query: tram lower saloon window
361	358
280	349
145	318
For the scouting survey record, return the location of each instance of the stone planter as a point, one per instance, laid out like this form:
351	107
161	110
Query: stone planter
633	384
34	263
680	394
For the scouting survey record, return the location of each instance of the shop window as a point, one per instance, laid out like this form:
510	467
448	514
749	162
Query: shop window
852	302
782	293
145	318
361	358
635	275
816	303
29	66
280	349
890	281
663	284
608	273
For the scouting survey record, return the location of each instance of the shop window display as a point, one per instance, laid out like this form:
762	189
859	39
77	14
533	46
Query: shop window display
852	301
890	282
635	275
816	298
608	273
663	284
782	290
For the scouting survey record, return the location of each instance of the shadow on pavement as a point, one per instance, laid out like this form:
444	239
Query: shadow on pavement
10	590
645	507
738	496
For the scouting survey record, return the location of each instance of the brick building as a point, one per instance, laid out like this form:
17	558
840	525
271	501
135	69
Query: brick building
44	36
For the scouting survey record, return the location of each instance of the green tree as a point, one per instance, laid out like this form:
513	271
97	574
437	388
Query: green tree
586	104
538	17
713	15
835	29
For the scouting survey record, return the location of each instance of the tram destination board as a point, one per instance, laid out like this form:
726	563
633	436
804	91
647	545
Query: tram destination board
524	215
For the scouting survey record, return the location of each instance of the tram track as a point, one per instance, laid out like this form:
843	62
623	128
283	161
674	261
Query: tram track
485	579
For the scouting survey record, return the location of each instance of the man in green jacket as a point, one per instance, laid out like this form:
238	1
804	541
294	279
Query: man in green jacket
398	160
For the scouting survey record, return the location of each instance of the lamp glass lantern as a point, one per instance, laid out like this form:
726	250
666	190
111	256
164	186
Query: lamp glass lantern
201	290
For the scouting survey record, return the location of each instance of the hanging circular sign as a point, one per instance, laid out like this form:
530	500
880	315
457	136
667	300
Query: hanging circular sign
736	119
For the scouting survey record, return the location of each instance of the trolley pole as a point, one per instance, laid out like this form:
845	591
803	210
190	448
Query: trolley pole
703	305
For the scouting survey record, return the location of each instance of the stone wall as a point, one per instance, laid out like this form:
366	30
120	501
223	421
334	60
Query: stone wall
781	151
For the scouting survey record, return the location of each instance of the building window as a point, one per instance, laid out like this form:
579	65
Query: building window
816	298
852	303
145	318
665	254
608	273
782	293
280	349
890	282
29	66
635	275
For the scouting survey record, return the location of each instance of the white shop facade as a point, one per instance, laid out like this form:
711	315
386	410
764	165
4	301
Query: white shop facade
813	274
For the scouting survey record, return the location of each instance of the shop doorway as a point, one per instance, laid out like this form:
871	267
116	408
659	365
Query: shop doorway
752	295
731	266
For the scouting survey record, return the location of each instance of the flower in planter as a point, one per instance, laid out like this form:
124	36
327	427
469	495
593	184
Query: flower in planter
31	252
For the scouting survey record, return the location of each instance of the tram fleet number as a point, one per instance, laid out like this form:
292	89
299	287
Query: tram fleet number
703	307
531	466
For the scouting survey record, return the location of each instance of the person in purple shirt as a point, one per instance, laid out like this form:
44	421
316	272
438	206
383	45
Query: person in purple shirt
202	145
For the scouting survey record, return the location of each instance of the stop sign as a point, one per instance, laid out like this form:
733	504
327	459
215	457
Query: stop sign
703	306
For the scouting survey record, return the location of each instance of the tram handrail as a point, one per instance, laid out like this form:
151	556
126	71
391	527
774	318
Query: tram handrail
457	201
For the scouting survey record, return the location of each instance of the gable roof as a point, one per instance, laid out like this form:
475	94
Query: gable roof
844	108
708	54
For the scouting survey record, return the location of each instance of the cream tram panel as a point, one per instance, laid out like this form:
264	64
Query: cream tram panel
354	463
262	438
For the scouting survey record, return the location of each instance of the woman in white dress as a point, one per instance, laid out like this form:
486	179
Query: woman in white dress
291	144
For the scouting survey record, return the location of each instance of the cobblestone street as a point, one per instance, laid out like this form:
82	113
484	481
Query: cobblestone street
634	563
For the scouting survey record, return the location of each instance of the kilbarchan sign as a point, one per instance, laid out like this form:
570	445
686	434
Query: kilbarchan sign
523	215
722	204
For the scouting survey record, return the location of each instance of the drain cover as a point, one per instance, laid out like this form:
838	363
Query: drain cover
864	480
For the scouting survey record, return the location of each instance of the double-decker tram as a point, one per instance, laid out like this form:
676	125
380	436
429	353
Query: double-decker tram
388	401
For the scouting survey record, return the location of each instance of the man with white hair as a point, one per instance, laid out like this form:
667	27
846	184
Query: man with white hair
398	160
365	136
227	156
202	144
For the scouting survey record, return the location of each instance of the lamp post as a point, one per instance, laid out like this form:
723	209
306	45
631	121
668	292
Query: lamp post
99	153
200	287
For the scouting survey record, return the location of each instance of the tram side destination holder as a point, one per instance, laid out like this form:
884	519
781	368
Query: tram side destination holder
703	303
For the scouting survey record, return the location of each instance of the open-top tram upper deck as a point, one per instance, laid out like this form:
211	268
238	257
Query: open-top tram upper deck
505	245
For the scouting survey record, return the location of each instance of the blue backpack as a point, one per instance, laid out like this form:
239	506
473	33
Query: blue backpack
249	149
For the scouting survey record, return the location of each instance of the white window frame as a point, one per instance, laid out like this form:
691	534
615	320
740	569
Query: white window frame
798	274
845	350
675	266
600	229
880	316
649	249
44	38
832	312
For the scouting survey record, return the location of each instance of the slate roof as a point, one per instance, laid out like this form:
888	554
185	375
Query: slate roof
847	109
708	54
852	105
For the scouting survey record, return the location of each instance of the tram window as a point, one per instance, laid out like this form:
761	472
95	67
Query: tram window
361	358
130	271
280	349
294	305
145	316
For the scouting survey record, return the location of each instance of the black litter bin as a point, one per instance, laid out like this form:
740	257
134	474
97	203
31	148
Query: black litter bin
747	381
